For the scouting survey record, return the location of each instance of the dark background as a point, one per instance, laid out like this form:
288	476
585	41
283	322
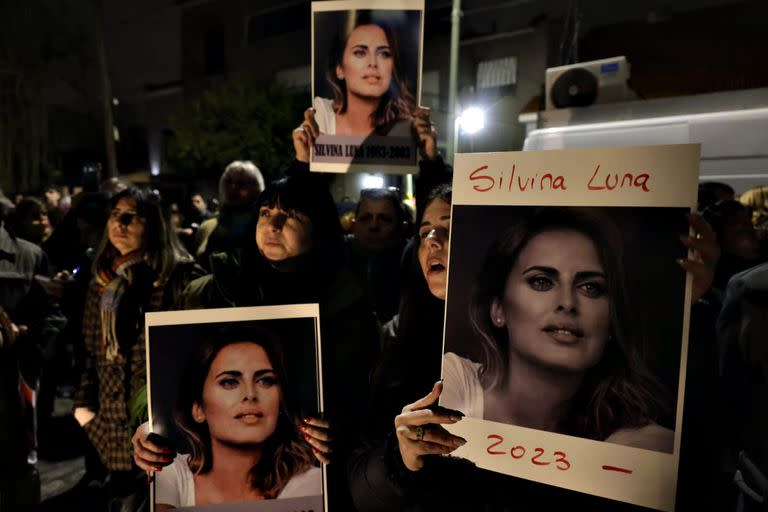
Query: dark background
656	282
171	345
405	24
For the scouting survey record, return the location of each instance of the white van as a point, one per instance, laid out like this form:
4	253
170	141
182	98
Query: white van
734	143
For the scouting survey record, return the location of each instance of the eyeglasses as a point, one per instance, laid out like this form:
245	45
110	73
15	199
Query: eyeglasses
124	218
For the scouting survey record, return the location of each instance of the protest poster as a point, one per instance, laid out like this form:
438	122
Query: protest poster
567	316
229	387
366	83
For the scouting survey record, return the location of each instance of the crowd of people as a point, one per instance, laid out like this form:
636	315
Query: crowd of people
75	292
79	273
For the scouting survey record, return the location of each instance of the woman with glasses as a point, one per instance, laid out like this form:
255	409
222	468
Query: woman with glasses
139	267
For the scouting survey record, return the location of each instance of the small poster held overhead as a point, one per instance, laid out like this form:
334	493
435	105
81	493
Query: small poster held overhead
366	84
567	316
228	388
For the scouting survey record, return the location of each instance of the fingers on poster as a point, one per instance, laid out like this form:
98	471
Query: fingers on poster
567	316
242	377
366	57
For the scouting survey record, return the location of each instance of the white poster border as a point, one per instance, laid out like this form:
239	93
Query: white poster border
661	176
239	314
347	5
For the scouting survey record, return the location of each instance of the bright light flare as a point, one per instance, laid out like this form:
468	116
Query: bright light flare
372	181
472	120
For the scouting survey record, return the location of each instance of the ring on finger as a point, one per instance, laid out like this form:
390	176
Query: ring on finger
420	433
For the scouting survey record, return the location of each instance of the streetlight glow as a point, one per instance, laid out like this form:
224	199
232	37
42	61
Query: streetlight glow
472	120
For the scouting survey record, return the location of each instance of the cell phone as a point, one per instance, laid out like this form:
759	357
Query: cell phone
162	442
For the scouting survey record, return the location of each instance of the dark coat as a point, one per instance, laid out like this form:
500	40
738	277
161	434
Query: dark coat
106	386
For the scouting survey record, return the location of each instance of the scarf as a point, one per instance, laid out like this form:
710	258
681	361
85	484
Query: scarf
114	281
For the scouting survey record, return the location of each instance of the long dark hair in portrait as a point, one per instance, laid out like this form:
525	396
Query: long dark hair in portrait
398	102
619	391
285	454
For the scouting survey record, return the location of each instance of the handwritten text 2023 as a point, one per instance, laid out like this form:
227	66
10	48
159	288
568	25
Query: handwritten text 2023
537	458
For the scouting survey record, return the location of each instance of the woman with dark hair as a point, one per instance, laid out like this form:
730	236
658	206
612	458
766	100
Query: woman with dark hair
295	256
243	436
138	268
370	92
413	337
560	351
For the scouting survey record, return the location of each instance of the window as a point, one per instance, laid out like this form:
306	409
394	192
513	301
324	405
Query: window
497	73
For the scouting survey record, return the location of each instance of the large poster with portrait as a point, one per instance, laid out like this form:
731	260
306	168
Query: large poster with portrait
228	390
567	316
366	83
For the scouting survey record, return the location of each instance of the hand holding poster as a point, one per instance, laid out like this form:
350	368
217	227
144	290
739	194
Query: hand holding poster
228	389
567	322
366	83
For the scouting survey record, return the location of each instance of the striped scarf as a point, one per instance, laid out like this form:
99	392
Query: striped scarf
113	282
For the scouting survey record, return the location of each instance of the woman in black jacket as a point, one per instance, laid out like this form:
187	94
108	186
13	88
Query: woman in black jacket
400	472
294	255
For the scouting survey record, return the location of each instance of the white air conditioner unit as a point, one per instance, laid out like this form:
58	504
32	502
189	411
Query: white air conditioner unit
587	83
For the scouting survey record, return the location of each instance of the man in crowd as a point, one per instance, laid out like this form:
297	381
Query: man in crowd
29	324
200	211
375	246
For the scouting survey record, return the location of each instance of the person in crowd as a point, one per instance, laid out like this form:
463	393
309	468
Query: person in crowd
413	339
190	223
400	471
139	267
371	94
743	358
19	478
233	412
756	200
239	186
25	325
200	211
295	255
740	248
53	203
24	267
71	249
711	192
375	245
432	168
30	221
179	226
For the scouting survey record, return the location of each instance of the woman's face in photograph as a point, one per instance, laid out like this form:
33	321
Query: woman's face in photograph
282	234
241	395
367	63
555	306
125	228
434	230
